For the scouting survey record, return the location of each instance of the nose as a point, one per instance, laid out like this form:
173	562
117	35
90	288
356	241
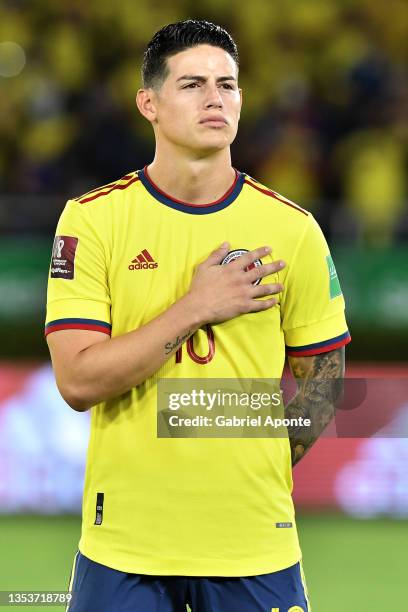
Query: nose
213	98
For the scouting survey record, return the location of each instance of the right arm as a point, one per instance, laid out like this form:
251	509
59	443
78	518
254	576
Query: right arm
91	367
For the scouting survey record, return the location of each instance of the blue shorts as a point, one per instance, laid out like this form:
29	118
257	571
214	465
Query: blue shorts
97	588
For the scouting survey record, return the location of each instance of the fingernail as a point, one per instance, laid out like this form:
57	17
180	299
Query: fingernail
267	249
224	245
281	264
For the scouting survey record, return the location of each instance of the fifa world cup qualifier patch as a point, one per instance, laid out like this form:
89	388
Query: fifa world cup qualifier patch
63	257
334	283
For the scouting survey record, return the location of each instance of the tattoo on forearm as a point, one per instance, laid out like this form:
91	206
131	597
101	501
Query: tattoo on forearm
170	346
320	385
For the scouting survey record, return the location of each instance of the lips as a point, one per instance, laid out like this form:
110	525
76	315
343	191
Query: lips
214	120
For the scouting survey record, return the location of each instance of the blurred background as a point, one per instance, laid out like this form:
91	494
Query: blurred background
325	123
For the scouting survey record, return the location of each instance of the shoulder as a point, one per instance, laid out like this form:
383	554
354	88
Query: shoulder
107	192
273	197
293	227
96	211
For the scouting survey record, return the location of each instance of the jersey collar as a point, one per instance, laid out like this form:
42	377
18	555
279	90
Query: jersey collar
193	209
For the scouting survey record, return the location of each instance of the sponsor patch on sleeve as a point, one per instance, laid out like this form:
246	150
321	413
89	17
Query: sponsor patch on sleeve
63	257
334	283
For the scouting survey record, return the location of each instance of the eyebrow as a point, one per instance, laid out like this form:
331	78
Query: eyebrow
194	77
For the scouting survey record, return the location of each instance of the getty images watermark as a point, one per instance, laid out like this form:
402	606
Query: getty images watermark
253	408
222	408
233	404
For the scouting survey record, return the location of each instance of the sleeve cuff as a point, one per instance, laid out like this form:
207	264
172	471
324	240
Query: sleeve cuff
88	324
319	347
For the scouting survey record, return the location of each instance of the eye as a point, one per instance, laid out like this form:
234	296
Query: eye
227	86
191	86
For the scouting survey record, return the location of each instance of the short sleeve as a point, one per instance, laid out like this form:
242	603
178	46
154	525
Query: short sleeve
78	294
312	305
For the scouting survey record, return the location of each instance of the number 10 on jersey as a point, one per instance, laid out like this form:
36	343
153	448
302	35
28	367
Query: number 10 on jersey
202	360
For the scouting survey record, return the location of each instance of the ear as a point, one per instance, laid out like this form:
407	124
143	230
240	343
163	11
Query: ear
145	101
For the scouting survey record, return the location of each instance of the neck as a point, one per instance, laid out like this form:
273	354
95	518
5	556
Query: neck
197	181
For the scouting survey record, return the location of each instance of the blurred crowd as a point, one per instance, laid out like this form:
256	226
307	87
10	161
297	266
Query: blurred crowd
325	101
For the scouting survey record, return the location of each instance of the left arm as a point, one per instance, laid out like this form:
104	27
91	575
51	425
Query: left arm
320	384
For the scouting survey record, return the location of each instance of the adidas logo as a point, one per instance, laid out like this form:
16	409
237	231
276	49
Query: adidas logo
143	261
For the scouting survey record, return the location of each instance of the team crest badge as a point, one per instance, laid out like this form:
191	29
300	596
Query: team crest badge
232	255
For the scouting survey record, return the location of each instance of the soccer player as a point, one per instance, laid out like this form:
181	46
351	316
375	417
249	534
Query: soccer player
137	294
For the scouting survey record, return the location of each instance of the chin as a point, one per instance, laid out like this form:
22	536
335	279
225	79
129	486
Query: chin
205	151
203	146
215	141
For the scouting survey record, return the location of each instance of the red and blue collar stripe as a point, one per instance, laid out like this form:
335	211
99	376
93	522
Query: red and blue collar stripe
193	209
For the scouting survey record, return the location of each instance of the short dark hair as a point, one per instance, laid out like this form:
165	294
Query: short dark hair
177	37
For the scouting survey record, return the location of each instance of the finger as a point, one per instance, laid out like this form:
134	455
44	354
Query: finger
245	260
267	289
216	256
259	305
265	270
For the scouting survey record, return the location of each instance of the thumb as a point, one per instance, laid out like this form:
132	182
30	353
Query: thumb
217	256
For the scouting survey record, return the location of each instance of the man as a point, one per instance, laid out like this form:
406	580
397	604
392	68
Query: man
137	294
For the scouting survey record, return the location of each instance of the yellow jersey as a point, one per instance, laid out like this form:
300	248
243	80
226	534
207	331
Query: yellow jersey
123	254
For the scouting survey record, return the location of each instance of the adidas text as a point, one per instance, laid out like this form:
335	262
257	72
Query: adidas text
143	266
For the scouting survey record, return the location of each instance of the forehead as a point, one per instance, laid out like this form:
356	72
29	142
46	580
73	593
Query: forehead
202	60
